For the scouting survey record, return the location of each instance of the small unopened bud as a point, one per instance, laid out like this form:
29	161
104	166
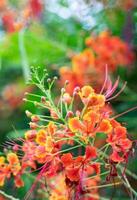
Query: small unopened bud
53	114
28	113
35	118
33	125
24	99
70	114
43	99
66	82
75	94
5	150
78	113
15	147
66	98
63	90
55	78
30	135
26	93
48	80
77	89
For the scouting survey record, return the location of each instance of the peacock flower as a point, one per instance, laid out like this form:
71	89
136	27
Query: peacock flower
66	145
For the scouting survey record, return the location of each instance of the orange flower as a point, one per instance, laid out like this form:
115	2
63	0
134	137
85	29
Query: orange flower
90	98
81	164
12	167
40	152
74	132
30	135
111	51
86	91
12	158
105	126
45	140
67	159
90	63
120	143
51	128
2	160
96	100
75	125
14	163
92	117
91	123
49	144
83	61
90	152
41	137
74	80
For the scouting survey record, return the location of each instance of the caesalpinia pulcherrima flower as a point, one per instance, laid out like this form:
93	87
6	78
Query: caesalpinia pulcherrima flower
111	50
89	64
62	147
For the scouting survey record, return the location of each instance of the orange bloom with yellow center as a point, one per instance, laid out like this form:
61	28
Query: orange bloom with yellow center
87	126
45	140
41	137
14	163
105	126
2	160
90	98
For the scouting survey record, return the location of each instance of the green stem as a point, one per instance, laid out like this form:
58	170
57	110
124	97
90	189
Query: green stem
71	148
23	54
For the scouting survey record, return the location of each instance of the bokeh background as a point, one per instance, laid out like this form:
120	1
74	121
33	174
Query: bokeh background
48	34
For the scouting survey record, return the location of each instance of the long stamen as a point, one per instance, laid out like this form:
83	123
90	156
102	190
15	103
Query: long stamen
113	89
125	112
106	78
36	180
122	89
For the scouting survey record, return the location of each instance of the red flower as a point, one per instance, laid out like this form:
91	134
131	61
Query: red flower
90	152
36	7
8	21
119	142
82	164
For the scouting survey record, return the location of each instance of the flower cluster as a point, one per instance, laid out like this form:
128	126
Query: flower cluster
86	66
14	20
111	50
62	144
